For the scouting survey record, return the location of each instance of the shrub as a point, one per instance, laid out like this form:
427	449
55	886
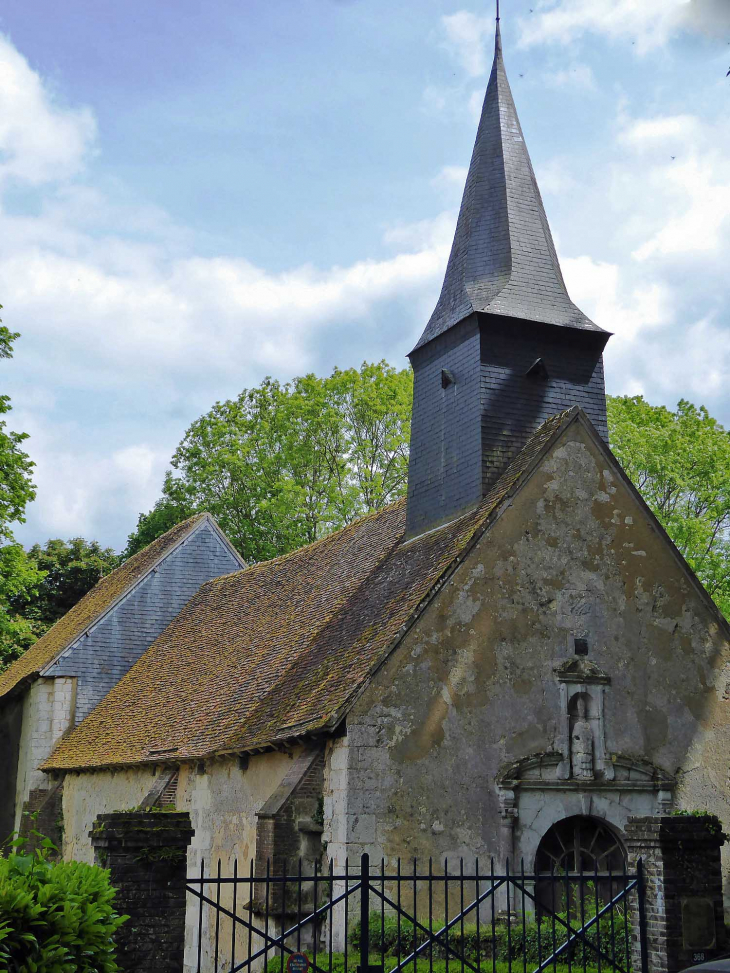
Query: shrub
384	935
533	943
55	917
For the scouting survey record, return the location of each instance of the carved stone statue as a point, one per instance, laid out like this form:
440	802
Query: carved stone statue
581	745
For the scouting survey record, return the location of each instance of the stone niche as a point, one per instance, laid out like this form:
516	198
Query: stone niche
579	777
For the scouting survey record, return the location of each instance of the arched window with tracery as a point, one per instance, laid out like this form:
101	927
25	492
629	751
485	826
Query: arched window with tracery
573	845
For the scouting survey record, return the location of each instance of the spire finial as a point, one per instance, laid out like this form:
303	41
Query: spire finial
497	11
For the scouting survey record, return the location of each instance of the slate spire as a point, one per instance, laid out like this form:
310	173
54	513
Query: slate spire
503	259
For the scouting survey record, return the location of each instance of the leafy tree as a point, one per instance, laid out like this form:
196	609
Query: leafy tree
18	575
16	488
680	463
164	515
283	465
69	569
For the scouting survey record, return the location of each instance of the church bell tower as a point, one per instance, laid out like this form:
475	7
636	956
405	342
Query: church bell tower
505	347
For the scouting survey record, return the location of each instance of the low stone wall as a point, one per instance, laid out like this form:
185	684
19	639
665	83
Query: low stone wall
146	852
683	889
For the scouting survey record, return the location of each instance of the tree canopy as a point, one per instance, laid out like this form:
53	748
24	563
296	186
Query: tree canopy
19	577
284	464
680	463
69	569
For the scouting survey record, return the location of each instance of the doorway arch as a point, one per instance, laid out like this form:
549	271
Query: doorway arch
577	844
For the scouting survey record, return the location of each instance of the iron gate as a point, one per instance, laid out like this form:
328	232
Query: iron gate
373	921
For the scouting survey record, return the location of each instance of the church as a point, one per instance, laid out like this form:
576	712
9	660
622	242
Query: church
509	662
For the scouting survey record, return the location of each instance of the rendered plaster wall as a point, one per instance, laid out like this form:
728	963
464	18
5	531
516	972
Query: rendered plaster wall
48	712
472	688
86	796
222	801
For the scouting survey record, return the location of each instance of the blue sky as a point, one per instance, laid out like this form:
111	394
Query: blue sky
193	196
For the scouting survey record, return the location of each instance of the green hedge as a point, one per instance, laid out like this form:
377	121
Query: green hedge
514	944
55	917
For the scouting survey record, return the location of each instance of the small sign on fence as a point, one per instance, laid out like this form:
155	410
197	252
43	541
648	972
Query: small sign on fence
297	963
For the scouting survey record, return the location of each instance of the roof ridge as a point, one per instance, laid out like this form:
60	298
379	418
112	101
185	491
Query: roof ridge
46	649
553	426
278	657
281	558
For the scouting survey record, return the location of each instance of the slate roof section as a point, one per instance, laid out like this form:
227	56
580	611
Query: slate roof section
503	258
279	650
95	604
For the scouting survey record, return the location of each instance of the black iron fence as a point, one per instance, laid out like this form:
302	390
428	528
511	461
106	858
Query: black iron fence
414	918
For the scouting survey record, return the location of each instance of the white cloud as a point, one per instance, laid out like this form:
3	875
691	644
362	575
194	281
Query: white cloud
123	323
649	22
685	172
40	140
576	76
601	290
451	178
467	37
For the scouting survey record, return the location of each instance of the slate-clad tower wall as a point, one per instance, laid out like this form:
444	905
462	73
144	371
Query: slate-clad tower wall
505	347
445	475
518	395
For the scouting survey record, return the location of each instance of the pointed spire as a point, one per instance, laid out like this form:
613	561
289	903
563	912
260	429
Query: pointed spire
503	258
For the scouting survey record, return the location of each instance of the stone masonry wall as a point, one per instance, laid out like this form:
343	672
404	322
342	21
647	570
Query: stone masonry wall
288	828
221	796
683	882
146	853
473	688
48	713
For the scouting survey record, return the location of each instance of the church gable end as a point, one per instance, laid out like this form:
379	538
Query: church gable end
572	665
101	658
66	674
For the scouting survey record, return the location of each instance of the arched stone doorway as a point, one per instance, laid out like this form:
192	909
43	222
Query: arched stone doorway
576	844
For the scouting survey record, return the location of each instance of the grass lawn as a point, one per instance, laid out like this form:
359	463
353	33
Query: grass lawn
439	966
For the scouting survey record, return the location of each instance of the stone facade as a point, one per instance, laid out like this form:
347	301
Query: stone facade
48	713
221	798
461	743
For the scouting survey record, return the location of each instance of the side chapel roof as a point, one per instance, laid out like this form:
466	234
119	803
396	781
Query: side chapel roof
503	258
280	649
96	603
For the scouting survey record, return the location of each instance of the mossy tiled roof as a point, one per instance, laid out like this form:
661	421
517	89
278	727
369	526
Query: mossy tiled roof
281	648
92	606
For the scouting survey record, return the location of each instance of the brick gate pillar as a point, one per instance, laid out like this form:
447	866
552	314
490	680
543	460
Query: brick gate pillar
683	883
146	852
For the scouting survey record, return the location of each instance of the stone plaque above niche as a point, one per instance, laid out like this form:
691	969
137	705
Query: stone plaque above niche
576	602
698	923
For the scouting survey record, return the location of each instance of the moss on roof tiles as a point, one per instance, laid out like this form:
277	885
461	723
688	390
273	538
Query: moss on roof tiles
281	648
92	606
